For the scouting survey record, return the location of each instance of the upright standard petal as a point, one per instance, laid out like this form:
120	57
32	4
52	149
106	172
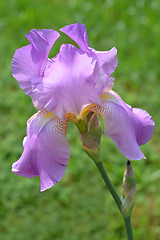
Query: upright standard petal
107	60
46	151
78	33
29	62
128	127
68	82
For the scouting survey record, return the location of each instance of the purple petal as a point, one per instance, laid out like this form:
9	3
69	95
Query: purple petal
78	33
128	128
69	83
46	151
107	60
29	62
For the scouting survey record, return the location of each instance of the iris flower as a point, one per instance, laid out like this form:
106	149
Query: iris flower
76	82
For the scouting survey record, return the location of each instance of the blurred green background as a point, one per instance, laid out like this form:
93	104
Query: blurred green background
80	206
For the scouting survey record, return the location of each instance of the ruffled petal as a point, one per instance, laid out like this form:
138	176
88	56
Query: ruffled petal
127	127
29	62
46	151
107	60
68	82
78	33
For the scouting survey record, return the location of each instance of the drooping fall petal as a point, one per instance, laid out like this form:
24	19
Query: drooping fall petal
46	151
128	127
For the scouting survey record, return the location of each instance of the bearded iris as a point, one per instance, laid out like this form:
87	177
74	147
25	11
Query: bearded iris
68	87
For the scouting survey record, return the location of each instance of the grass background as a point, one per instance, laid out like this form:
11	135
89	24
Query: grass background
80	206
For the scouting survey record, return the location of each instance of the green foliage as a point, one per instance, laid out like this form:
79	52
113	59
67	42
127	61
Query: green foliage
80	207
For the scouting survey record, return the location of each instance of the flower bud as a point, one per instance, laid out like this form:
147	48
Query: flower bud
94	126
129	190
91	138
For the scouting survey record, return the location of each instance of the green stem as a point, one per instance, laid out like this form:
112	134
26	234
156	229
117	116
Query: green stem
117	199
128	226
109	184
